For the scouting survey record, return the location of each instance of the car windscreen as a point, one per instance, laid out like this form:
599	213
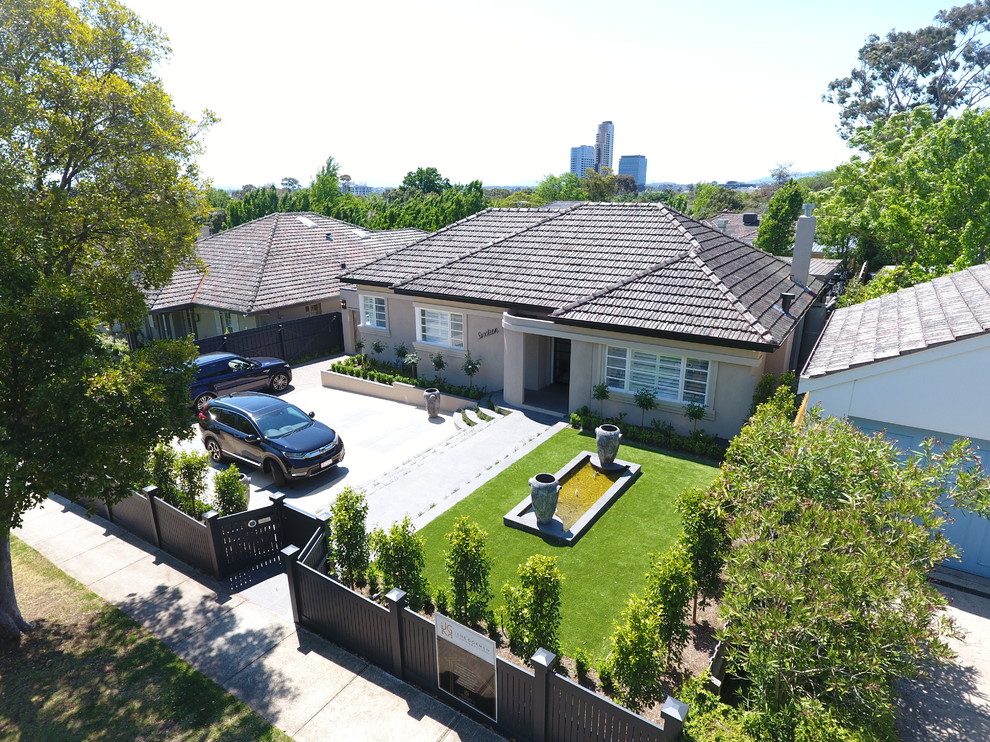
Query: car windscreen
282	422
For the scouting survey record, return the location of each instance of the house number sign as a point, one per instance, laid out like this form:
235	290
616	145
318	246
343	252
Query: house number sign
487	333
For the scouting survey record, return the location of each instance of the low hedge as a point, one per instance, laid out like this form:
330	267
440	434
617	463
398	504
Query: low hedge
363	367
660	434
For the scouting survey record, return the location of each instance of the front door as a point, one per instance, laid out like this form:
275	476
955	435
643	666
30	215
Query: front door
561	371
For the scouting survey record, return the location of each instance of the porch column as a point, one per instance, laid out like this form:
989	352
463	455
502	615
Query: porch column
582	374
513	370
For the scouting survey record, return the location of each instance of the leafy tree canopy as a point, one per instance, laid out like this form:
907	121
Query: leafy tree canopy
835	532
711	199
563	187
920	198
426	180
600	186
98	203
775	234
943	67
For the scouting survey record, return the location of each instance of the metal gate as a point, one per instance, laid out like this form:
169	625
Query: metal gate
248	539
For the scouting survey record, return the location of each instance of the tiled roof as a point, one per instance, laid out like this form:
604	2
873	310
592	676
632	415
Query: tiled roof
642	267
734	226
950	308
276	261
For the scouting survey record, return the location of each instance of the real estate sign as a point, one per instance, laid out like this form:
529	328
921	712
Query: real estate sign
466	665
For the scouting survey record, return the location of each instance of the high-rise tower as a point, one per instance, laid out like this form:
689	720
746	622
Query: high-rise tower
634	165
603	145
582	157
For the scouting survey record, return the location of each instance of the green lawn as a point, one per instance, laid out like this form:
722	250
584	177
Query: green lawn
609	561
90	672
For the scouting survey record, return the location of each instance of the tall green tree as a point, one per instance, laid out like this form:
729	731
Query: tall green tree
944	67
98	203
324	191
920	198
827	597
711	199
563	187
426	180
600	186
775	234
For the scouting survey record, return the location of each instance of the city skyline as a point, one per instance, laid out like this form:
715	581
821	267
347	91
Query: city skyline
722	91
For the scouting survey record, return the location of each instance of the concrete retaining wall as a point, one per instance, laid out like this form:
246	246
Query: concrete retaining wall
397	392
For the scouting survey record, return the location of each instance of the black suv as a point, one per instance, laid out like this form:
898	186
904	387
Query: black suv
223	373
270	434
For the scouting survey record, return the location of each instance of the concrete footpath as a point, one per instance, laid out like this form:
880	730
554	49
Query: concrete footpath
240	631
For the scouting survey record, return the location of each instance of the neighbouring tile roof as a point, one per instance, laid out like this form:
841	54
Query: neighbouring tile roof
276	261
645	268
930	314
734	226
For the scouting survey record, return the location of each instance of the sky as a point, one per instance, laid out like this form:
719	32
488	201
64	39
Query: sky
713	90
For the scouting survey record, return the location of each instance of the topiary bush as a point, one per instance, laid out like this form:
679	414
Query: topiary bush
531	616
469	565
230	491
348	554
399	561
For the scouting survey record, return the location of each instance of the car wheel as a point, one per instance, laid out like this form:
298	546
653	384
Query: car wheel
279	382
277	475
214	450
202	399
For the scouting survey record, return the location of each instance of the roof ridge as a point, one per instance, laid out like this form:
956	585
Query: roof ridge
264	261
637	276
734	300
551	215
695	254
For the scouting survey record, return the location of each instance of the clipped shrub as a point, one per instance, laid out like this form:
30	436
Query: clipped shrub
230	491
469	565
636	662
582	662
399	561
161	471
190	477
348	553
532	610
670	587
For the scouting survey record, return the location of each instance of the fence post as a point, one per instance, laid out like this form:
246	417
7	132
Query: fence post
290	556
151	492
217	560
674	713
396	600
543	663
278	501
281	341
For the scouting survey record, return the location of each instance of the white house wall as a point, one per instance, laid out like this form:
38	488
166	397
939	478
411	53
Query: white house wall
940	388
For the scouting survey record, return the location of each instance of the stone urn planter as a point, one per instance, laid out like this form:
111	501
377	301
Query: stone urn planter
543	491
607	437
432	397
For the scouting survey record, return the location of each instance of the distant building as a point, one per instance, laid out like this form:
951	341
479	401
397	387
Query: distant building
582	158
634	165
603	146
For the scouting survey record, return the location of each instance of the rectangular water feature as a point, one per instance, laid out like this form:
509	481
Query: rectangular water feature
586	492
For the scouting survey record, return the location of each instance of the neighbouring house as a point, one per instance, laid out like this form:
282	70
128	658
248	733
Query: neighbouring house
279	267
557	301
741	226
911	364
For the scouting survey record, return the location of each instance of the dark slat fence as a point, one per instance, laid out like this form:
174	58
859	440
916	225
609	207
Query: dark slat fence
218	545
538	706
309	337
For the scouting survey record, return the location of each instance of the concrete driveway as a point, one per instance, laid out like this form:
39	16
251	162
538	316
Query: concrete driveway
379	435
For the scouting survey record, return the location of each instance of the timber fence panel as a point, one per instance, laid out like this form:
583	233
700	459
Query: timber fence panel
307	337
134	514
576	714
419	650
515	698
185	537
341	615
297	526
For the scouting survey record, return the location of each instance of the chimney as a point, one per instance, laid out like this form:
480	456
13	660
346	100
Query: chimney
804	238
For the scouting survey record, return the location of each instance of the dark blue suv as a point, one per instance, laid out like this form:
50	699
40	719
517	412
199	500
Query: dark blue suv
222	373
269	434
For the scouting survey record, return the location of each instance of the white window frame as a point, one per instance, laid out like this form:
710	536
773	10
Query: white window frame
374	312
671	376
449	328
